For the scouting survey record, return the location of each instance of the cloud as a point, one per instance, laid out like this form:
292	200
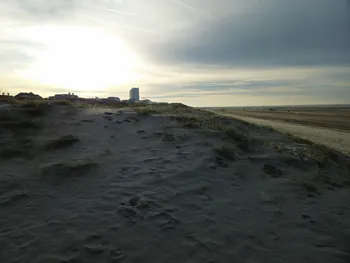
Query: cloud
36	10
303	33
188	7
15	55
200	51
116	11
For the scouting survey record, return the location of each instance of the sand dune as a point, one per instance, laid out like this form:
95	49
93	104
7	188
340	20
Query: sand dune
119	186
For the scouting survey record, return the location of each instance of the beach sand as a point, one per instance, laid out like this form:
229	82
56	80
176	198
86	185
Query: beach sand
335	139
94	185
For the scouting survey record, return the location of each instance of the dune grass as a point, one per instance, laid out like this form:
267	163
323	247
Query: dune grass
188	121
197	118
319	153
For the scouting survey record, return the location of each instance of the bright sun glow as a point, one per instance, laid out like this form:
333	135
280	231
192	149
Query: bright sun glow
79	58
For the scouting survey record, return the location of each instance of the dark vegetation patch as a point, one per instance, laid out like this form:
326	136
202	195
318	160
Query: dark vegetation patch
243	142
14	121
35	109
168	137
198	118
189	122
8	100
62	142
321	154
310	189
272	170
63	102
18	147
162	108
9	153
25	115
327	152
20	125
73	168
226	152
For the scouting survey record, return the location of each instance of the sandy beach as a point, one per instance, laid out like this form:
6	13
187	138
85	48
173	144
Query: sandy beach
165	184
332	117
335	139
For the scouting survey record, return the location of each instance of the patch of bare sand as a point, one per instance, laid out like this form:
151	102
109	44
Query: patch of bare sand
146	189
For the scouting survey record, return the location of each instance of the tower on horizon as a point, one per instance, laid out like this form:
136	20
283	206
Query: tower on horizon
134	94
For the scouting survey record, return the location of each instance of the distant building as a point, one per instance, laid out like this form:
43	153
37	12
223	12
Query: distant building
69	96
27	96
134	94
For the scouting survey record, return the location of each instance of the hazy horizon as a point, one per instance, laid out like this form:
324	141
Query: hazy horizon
198	52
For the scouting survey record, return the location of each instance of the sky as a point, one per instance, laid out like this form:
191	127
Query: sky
198	52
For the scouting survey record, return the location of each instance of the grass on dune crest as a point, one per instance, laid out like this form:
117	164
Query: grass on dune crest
239	133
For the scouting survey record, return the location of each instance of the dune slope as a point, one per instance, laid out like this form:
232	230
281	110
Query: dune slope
125	186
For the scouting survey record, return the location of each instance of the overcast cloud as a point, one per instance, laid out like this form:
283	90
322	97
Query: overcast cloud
200	52
297	33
